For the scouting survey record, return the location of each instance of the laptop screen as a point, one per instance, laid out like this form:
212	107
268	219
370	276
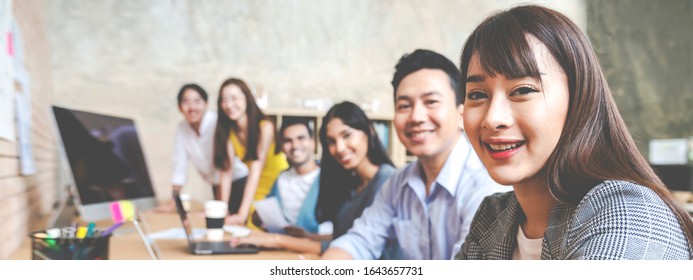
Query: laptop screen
183	216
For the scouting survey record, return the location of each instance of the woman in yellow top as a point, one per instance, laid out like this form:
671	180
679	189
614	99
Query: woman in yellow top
244	131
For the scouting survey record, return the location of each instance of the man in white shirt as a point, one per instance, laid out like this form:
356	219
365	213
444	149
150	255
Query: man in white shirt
194	142
296	189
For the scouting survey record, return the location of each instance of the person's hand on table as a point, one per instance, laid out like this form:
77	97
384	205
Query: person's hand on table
167	207
258	238
235	219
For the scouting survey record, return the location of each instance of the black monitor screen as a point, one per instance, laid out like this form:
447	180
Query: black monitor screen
675	177
105	156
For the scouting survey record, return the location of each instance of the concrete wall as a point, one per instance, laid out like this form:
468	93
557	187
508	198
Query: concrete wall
129	58
646	49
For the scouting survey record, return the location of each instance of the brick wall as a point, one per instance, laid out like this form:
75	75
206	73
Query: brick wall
25	201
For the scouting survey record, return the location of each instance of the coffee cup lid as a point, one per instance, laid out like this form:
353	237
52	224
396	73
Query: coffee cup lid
215	204
215	209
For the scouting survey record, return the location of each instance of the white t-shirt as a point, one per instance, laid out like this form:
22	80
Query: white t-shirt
198	149
293	189
527	249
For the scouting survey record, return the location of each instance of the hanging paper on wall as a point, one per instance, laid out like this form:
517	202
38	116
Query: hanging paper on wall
26	153
6	72
20	74
23	108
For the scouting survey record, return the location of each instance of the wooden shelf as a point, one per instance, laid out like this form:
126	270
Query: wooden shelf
381	122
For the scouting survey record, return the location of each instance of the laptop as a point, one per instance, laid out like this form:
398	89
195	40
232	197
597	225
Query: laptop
208	247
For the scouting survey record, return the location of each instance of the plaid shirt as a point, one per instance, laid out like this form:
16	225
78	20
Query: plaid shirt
615	220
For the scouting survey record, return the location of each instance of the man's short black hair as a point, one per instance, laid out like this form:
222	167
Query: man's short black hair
195	87
289	121
427	59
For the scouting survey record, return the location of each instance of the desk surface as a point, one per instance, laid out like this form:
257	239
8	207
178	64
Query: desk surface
126	244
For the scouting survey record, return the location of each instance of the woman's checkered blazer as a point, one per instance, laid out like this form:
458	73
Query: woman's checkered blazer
615	220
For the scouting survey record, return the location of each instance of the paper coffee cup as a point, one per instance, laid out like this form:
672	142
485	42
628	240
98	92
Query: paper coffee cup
215	209
215	213
215	234
185	199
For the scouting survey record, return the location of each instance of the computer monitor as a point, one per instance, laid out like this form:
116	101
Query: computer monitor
106	161
675	177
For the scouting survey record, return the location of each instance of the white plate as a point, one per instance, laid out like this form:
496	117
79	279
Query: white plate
237	231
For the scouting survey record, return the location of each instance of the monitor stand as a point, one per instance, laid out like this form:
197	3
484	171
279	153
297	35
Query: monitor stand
64	211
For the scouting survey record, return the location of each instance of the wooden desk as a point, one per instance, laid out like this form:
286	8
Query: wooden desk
126	244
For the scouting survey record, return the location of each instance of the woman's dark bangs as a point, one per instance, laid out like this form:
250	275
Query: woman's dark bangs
503	49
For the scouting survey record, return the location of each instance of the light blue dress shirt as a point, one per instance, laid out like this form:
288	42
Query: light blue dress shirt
432	227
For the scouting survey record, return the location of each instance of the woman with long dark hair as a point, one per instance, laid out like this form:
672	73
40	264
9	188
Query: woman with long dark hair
354	165
540	114
244	131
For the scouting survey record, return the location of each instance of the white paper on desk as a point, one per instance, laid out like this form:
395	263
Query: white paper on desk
177	233
271	214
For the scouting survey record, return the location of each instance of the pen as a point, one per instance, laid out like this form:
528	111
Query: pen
62	236
90	229
68	236
68	232
53	233
81	232
111	229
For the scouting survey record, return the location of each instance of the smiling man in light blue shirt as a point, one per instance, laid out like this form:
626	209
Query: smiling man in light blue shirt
426	207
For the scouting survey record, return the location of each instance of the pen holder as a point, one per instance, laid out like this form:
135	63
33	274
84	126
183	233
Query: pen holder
44	247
